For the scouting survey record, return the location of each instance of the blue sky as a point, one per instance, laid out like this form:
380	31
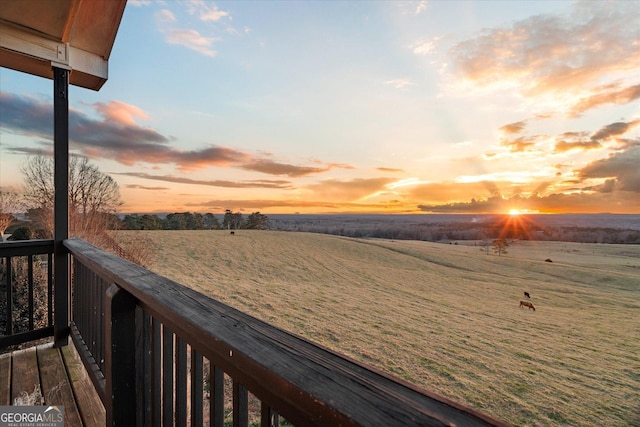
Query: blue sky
416	106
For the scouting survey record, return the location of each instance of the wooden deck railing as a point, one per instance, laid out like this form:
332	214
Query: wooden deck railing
147	350
26	297
161	354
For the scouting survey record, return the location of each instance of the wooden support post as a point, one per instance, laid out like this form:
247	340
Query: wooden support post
61	204
120	357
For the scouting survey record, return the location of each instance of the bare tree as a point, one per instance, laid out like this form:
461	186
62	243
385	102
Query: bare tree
92	194
93	199
500	246
485	244
38	180
9	204
91	191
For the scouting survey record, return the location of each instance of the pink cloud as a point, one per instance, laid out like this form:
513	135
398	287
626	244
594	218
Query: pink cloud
120	112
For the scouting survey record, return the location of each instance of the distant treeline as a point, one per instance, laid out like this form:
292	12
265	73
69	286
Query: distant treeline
434	228
389	227
195	221
520	228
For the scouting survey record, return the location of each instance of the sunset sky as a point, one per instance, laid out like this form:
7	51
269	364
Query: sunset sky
384	107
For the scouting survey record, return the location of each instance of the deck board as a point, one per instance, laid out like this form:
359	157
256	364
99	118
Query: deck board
25	381
60	377
5	379
55	384
91	408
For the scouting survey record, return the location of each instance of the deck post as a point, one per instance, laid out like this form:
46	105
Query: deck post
61	203
120	356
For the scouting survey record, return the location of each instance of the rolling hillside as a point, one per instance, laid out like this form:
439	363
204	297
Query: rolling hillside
445	317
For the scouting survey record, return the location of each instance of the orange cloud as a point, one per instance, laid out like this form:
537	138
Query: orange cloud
548	55
276	168
519	145
609	95
120	112
578	142
351	190
513	128
281	184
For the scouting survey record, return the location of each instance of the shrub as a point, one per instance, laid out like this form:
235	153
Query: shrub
24	232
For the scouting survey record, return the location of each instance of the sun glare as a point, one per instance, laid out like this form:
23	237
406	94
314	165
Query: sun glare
514	212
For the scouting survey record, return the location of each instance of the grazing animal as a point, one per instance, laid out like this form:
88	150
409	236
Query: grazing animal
526	294
232	233
527	304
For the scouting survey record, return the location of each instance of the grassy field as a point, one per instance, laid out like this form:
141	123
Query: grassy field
445	317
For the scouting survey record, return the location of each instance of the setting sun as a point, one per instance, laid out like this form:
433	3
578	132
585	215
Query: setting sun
514	212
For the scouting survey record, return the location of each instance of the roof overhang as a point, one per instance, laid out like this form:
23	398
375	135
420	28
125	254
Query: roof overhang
74	34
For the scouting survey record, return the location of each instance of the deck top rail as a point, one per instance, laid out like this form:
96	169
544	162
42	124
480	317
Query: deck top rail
305	383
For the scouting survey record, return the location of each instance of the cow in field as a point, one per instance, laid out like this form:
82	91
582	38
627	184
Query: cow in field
526	294
527	304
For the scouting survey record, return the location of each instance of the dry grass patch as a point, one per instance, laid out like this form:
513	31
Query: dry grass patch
445	317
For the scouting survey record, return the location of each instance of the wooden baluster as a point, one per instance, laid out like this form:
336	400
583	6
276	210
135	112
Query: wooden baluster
167	376
216	382
9	285
181	383
156	372
240	405
30	284
196	388
268	417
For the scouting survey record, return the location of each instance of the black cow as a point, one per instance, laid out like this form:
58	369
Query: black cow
526	294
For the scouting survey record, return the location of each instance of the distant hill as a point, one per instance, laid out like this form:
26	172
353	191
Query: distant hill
588	228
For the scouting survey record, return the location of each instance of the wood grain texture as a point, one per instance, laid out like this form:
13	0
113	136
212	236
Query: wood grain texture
24	379
56	389
90	406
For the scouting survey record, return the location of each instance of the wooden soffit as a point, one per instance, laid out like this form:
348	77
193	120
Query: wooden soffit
73	34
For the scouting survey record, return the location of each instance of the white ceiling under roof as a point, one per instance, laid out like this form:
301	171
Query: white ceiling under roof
73	34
